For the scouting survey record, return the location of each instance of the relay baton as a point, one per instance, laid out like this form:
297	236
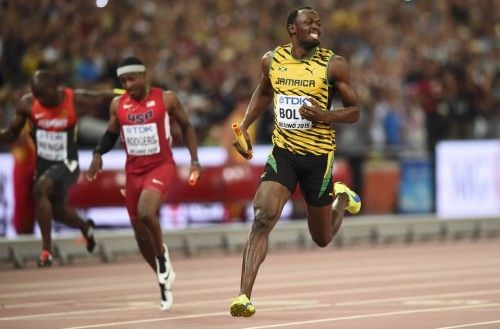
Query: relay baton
193	178
239	137
119	91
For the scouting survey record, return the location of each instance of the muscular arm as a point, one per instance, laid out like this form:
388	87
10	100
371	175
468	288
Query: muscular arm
262	96
172	103
10	134
113	124
107	141
338	75
87	100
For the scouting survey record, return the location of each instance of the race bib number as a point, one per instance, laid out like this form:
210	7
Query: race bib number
52	145
287	112
141	139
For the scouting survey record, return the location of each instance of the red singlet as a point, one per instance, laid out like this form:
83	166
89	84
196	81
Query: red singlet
146	134
145	131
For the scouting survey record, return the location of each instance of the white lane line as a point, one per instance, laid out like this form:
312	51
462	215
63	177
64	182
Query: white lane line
283	284
373	315
268	273
153	306
307	295
66	314
194	316
442	295
475	324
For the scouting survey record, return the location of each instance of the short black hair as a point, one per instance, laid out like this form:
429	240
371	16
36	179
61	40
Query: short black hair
44	78
131	61
293	15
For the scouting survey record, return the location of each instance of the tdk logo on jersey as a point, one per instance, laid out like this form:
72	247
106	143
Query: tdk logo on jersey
140	117
291	100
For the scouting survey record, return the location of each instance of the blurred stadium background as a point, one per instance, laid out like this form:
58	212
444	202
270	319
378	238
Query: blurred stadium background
426	73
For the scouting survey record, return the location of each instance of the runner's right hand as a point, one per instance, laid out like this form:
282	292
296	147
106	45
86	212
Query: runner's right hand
95	167
248	153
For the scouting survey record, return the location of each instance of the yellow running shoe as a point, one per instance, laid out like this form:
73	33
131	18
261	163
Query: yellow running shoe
242	306
354	204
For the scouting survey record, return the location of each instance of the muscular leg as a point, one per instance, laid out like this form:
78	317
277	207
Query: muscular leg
268	204
144	242
149	226
42	190
68	216
324	222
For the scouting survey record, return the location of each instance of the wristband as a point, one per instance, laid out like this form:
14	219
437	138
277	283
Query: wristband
106	143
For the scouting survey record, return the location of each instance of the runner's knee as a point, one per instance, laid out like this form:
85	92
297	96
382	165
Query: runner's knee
264	219
322	240
41	189
140	234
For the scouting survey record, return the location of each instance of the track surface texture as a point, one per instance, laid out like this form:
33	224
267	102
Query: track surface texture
427	285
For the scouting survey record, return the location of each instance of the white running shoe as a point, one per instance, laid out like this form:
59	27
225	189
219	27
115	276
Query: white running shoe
166	280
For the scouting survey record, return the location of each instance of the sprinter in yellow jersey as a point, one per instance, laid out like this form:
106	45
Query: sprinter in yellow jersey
300	78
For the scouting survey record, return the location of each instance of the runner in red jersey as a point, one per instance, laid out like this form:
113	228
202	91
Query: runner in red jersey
141	116
52	112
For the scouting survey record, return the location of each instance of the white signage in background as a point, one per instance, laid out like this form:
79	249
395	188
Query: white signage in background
6	194
172	216
468	179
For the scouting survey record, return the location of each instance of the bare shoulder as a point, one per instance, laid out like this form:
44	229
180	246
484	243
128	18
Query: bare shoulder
268	56
338	68
266	61
338	62
25	103
115	101
114	104
169	95
170	99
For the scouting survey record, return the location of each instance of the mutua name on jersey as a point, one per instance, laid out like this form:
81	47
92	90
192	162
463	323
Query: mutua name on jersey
139	117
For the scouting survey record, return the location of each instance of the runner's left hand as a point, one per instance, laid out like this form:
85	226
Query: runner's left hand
312	112
194	173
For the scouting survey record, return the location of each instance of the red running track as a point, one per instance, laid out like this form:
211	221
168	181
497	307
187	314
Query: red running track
428	285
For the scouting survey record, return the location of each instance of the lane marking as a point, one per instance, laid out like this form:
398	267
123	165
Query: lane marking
373	315
194	316
263	300
475	324
269	273
282	284
418	297
152	305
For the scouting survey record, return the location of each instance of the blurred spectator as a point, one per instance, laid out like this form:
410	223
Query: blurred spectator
423	69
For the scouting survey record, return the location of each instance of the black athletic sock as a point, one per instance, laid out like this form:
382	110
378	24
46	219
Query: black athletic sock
162	261
162	292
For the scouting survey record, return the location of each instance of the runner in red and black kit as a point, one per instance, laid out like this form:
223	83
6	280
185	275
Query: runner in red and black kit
141	116
52	113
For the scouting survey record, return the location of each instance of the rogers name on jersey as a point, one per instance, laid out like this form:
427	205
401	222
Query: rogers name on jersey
141	141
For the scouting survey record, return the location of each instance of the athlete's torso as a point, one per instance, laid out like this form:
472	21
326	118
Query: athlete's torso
54	132
293	81
145	131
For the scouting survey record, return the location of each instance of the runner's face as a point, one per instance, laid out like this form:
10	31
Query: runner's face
308	25
134	84
47	96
